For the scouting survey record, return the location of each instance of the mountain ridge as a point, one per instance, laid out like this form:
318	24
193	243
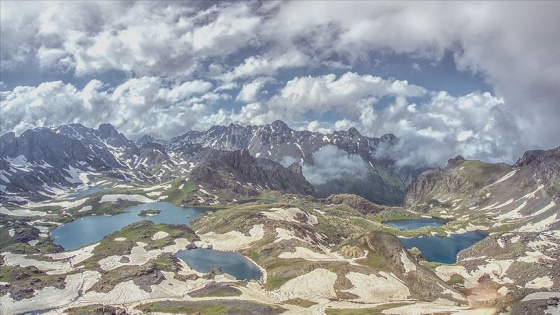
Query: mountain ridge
157	160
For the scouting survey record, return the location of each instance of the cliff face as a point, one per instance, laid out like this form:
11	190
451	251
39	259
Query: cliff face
436	182
461	178
241	173
545	166
525	195
433	183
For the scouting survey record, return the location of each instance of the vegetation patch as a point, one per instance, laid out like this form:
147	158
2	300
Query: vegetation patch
241	219
149	213
143	276
300	302
479	173
213	307
24	281
141	231
363	311
456	279
216	289
96	309
179	191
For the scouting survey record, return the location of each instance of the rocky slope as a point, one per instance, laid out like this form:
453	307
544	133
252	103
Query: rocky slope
41	162
240	173
521	197
518	205
545	166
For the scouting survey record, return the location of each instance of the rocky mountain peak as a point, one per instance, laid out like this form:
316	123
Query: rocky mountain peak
7	139
528	157
145	139
239	172
280	125
389	137
455	161
353	132
239	159
113	137
296	168
107	131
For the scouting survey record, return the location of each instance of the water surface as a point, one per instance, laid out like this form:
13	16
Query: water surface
443	249
233	263
92	229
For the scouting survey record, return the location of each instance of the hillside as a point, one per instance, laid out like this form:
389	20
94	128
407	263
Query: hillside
518	206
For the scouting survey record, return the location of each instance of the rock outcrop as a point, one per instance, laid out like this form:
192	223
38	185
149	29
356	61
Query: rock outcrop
243	174
545	166
356	202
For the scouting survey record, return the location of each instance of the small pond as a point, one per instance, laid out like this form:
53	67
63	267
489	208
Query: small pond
92	229
233	263
443	249
412	224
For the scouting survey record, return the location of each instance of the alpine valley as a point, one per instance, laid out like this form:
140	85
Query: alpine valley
269	220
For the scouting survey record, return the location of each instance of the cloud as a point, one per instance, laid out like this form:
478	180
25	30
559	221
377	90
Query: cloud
331	163
351	95
136	107
476	125
229	46
515	47
250	91
266	65
146	38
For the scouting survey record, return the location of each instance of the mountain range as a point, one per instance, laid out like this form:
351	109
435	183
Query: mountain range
42	162
287	200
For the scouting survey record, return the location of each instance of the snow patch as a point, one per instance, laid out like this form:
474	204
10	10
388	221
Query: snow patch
407	264
233	240
538	283
503	178
159	235
116	197
85	208
372	289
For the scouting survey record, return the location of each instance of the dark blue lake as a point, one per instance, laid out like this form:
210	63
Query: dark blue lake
92	229
233	263
443	249
412	224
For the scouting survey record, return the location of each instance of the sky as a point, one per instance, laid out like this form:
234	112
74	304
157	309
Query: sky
480	79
